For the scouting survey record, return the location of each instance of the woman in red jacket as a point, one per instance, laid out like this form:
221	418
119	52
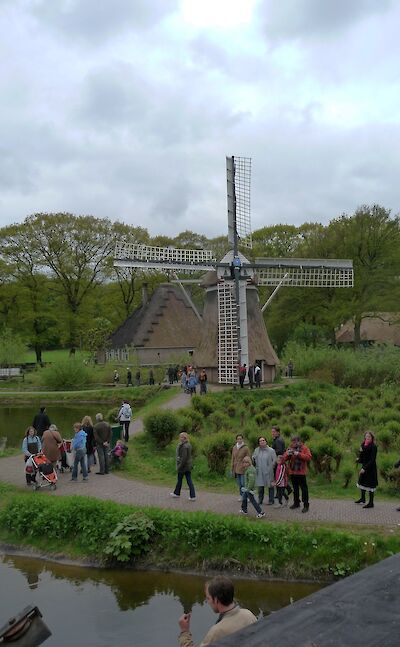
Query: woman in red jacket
297	457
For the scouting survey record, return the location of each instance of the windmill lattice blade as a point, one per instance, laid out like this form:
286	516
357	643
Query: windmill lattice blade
228	356
301	272
238	175
162	258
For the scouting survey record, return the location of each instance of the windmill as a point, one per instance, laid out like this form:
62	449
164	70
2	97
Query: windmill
236	309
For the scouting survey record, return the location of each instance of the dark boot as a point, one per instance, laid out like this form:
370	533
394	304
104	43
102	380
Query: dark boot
362	497
370	503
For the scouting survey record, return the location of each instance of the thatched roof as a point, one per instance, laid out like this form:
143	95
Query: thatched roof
383	327
166	321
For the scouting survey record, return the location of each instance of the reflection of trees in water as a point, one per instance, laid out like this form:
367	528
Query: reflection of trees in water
136	588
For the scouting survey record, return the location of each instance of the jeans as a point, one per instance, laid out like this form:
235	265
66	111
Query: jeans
240	482
271	494
102	453
299	481
80	459
250	496
178	486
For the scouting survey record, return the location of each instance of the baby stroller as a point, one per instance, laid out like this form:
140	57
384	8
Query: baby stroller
38	465
67	460
118	454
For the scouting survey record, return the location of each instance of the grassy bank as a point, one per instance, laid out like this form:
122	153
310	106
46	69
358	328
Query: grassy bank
114	534
138	396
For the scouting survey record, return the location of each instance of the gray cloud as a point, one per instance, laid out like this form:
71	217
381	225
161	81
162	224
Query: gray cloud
316	18
93	21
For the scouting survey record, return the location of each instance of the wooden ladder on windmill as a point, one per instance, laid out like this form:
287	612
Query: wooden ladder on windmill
228	356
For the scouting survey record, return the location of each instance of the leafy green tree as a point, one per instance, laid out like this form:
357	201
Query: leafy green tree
12	348
75	249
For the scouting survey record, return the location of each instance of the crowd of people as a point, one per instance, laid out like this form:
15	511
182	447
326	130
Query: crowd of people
90	446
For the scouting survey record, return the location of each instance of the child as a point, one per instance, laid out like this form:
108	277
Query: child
118	453
281	481
249	487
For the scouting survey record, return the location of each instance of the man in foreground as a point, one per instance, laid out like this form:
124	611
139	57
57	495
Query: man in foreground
219	595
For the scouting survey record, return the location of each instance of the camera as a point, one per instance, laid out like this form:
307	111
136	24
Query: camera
26	629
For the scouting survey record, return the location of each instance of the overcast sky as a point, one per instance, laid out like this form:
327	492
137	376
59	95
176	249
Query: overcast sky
126	108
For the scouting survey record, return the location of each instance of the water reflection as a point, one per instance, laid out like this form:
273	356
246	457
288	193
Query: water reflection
14	420
102	607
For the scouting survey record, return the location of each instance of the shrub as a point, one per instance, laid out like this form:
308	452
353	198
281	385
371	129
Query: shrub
261	419
265	404
306	433
111	415
217	421
203	405
217	450
162	426
131	538
385	439
273	412
68	375
231	410
289	406
316	421
191	421
324	451
394	427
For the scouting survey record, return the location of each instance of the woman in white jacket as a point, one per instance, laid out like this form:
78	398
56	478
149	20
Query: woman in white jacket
124	416
264	460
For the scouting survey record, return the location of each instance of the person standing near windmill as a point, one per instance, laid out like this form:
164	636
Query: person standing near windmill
242	375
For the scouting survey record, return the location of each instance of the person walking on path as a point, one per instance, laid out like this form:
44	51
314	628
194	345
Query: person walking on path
250	375
248	490
184	465
51	444
297	456
124	417
368	475
137	377
281	482
79	447
87	426
242	375
116	378
264	460
203	382
239	451
102	436
231	618
257	376
31	445
41	421
129	377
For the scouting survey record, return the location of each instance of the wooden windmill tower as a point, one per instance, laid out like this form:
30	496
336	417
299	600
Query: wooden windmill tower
234	330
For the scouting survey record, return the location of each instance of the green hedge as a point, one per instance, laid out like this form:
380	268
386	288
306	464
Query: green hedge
197	540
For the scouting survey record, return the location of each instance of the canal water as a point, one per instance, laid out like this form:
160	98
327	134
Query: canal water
88	607
14	420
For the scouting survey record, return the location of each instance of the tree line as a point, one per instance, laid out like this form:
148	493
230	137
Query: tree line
58	286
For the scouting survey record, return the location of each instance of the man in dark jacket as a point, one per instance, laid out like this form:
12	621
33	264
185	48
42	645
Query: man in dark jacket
102	436
184	464
41	421
277	441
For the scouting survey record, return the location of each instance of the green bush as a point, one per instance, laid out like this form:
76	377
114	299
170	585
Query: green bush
131	538
385	439
317	422
192	421
266	403
202	404
162	426
217	450
324	452
67	375
306	433
231	410
217	421
273	413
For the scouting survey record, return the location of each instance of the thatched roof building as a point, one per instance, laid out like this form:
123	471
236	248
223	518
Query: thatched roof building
165	328
382	328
